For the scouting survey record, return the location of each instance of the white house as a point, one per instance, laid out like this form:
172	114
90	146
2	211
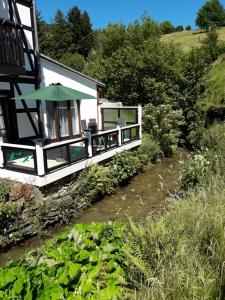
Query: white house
43	141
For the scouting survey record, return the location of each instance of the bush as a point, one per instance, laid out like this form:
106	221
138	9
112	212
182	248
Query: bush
195	173
150	147
96	182
8	214
126	164
213	147
4	191
209	162
163	123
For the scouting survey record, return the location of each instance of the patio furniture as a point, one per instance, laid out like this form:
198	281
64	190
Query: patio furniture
121	122
83	125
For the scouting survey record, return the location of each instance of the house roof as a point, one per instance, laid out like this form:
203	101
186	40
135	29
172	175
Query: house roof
70	69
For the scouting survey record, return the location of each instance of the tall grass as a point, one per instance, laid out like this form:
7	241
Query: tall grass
181	255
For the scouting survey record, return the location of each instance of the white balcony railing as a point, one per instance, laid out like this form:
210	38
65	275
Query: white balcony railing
41	160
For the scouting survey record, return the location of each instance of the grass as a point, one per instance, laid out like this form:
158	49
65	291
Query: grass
215	94
190	39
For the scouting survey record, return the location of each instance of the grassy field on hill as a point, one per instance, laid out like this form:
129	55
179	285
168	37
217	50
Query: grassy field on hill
189	39
216	91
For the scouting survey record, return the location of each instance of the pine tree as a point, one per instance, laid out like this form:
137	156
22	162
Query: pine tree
81	31
87	35
75	24
60	35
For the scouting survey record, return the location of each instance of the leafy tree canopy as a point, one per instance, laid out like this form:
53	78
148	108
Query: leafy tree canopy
188	27
180	28
211	14
167	27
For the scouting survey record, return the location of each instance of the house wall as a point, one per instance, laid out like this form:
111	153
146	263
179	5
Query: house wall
24	126
52	73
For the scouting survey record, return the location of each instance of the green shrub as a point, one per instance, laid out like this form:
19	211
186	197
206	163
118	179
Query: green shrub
182	254
195	172
150	147
126	164
4	191
96	182
163	123
8	214
209	162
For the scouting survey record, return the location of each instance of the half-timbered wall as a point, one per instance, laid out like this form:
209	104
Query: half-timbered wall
19	16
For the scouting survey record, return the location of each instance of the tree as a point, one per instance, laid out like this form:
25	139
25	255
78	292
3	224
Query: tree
44	34
180	28
87	35
188	27
167	27
211	45
61	38
81	31
75	61
211	14
163	123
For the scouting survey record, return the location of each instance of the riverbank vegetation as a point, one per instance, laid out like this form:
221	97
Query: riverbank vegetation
178	255
181	255
25	211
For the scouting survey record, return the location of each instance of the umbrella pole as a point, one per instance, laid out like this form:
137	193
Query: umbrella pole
40	122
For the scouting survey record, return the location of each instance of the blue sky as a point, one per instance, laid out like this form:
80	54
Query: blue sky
104	11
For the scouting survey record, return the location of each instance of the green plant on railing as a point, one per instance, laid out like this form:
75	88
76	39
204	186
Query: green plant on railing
26	159
11	156
19	153
126	135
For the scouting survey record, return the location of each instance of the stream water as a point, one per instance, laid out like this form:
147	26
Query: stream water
147	192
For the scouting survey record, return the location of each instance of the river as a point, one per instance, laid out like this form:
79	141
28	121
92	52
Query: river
146	193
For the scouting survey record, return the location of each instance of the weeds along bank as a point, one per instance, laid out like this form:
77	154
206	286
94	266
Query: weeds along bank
25	211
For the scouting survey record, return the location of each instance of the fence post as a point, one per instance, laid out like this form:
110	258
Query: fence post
119	135
1	153
40	157
88	136
140	120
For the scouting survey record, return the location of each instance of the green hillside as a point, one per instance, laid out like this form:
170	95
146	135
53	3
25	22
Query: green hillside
216	92
189	39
